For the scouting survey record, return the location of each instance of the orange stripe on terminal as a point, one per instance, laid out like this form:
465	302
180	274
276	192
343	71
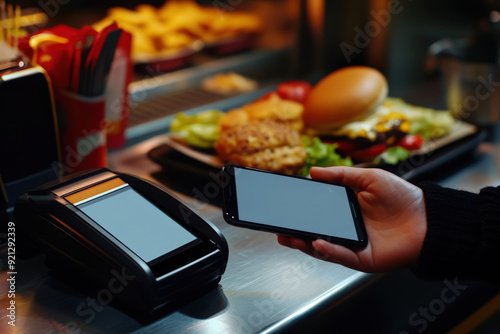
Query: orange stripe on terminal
95	190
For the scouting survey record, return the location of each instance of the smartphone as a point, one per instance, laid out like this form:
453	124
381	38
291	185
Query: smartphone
292	206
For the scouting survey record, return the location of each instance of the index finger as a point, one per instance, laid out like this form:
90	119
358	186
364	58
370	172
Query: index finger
353	177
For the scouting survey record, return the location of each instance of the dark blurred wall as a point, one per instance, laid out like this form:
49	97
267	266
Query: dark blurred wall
398	48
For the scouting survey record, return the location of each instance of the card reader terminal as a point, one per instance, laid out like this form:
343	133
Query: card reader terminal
100	225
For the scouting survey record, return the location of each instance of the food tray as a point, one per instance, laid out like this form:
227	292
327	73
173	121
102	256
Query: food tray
463	140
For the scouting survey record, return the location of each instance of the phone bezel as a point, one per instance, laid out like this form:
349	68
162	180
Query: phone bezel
230	211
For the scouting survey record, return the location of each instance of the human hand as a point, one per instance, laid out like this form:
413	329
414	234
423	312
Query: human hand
394	215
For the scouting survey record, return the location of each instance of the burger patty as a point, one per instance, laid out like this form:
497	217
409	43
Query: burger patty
262	144
387	137
382	127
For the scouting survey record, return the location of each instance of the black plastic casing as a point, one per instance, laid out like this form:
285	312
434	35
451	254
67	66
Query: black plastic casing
82	253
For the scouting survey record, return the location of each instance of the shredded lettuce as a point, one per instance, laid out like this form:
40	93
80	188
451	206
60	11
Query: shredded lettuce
321	155
430	123
393	155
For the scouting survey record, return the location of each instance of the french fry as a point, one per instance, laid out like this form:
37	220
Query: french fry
177	24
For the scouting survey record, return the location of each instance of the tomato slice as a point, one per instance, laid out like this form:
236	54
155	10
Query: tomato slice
369	153
411	142
346	146
295	90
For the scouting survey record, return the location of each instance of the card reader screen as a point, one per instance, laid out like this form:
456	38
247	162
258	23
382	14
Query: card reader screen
137	223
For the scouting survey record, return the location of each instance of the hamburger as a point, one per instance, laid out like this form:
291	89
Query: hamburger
347	107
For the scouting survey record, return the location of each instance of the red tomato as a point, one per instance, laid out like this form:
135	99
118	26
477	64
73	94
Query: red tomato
369	153
346	146
411	142
295	90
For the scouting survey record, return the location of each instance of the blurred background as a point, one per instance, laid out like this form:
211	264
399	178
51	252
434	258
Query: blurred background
399	49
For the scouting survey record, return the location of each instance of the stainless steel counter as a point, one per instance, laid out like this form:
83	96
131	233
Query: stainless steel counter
267	288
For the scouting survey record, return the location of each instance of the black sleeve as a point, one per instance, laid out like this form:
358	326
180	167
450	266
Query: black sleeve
463	234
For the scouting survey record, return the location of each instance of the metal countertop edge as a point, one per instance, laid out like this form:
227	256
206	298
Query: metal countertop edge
327	300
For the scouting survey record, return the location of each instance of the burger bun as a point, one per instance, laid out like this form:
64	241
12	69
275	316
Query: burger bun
345	95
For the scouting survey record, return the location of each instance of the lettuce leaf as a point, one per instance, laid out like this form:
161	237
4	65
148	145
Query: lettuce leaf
321	155
393	155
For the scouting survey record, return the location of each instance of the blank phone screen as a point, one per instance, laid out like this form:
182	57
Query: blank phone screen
294	203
